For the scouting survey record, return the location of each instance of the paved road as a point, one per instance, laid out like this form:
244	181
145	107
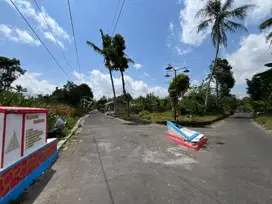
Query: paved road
112	162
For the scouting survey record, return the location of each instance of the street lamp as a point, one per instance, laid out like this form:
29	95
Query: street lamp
171	68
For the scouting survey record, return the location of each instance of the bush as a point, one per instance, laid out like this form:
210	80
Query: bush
144	115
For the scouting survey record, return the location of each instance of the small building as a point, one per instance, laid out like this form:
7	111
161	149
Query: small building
117	108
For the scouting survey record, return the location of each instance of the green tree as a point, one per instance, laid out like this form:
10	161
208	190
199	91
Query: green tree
120	61
20	89
260	90
10	70
265	25
177	89
254	88
72	94
220	16
151	102
107	53
224	77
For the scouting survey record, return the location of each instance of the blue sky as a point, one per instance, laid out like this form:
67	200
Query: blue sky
157	32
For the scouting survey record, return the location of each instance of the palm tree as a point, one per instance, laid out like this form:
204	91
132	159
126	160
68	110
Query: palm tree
121	61
265	25
220	16
106	51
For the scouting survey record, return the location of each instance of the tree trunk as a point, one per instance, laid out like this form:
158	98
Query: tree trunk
113	89
217	95
210	79
125	93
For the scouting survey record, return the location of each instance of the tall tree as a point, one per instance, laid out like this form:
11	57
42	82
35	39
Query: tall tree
224	77
220	16
121	61
10	70
265	25
177	89
107	53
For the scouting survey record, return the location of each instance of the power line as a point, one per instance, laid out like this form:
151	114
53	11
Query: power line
115	22
49	27
120	12
72	24
116	11
39	38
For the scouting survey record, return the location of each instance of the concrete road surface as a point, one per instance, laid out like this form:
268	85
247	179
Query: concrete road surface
112	162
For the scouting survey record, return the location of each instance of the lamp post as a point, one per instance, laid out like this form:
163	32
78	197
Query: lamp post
169	69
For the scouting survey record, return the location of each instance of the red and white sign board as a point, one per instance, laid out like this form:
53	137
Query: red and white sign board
22	132
1	135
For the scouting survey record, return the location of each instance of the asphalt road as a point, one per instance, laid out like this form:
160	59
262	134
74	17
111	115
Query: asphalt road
112	162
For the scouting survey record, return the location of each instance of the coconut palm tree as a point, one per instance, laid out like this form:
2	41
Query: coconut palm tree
107	53
220	17
265	25
121	61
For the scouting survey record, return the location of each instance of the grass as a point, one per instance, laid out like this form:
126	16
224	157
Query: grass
154	117
265	121
69	126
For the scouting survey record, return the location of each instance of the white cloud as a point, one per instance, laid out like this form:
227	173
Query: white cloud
99	82
50	37
138	66
101	85
263	8
182	52
17	35
146	74
171	28
55	27
28	10
34	85
250	58
189	23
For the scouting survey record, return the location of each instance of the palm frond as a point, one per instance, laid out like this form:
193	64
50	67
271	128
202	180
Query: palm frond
233	26
201	13
209	10
129	60
224	38
228	4
204	25
266	24
97	49
102	33
240	12
269	38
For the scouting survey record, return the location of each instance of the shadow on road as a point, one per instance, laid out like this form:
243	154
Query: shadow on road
35	190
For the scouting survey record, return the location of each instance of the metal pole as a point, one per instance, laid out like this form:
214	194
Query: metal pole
175	108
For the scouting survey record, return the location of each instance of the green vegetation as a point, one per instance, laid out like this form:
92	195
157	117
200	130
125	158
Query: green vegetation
265	121
265	25
68	101
177	89
220	17
260	91
161	117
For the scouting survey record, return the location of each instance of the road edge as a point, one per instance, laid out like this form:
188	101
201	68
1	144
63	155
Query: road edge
62	142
